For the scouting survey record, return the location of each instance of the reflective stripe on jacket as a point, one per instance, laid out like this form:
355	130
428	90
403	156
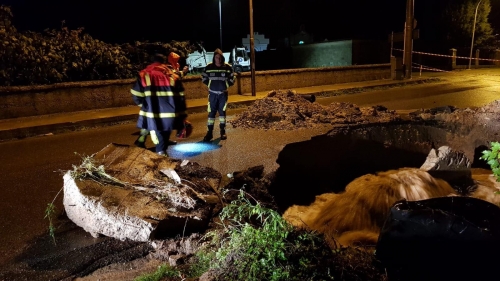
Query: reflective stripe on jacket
218	79
161	96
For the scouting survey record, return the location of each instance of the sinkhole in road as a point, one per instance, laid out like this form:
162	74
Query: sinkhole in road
327	163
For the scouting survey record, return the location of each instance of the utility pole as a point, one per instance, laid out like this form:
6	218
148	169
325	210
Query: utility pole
252	50
408	42
220	24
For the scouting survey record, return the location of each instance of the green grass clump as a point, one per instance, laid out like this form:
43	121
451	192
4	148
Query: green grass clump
258	244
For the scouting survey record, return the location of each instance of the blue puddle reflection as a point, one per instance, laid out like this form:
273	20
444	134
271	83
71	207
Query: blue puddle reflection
182	150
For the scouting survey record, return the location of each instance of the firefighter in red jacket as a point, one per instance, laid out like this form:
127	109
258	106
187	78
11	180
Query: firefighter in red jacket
159	92
173	63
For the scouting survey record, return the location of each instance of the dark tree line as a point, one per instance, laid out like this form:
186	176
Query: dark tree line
64	55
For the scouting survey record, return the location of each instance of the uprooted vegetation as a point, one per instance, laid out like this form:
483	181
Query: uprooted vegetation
252	242
256	243
166	186
287	110
249	240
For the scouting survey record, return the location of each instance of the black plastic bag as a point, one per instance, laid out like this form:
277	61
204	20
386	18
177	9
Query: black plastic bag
445	238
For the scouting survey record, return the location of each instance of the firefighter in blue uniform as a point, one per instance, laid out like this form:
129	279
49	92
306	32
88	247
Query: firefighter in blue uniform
173	65
218	76
160	94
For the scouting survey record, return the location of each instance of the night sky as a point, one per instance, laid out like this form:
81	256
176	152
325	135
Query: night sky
198	20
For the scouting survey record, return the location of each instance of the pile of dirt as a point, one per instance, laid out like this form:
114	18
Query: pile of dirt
475	124
468	116
287	110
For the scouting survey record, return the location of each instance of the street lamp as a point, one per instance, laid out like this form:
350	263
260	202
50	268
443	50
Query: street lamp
220	23
473	30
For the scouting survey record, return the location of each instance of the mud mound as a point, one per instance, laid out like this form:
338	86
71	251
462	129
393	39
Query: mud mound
470	121
458	115
287	110
493	107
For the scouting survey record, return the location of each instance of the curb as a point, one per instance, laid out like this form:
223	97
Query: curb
49	129
354	90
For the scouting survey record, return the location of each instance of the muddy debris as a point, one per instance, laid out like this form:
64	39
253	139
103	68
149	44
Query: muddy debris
462	119
287	110
254	182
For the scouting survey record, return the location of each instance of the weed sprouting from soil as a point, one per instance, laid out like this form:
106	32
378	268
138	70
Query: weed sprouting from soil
50	212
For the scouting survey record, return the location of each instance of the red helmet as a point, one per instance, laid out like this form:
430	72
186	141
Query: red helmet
186	131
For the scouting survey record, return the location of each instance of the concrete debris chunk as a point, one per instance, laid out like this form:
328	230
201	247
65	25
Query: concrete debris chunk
144	205
445	158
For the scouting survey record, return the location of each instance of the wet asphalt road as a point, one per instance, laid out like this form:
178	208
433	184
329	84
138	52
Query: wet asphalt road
459	89
31	168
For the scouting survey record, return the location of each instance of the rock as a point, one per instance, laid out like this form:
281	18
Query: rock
138	202
186	246
175	260
446	158
450	165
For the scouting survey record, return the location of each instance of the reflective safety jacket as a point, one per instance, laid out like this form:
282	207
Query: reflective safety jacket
218	79
160	94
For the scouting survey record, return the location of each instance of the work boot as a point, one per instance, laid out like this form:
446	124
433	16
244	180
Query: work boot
140	144
171	142
208	137
162	153
223	135
141	140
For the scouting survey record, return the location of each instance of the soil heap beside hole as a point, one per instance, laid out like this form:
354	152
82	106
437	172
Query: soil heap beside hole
287	110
